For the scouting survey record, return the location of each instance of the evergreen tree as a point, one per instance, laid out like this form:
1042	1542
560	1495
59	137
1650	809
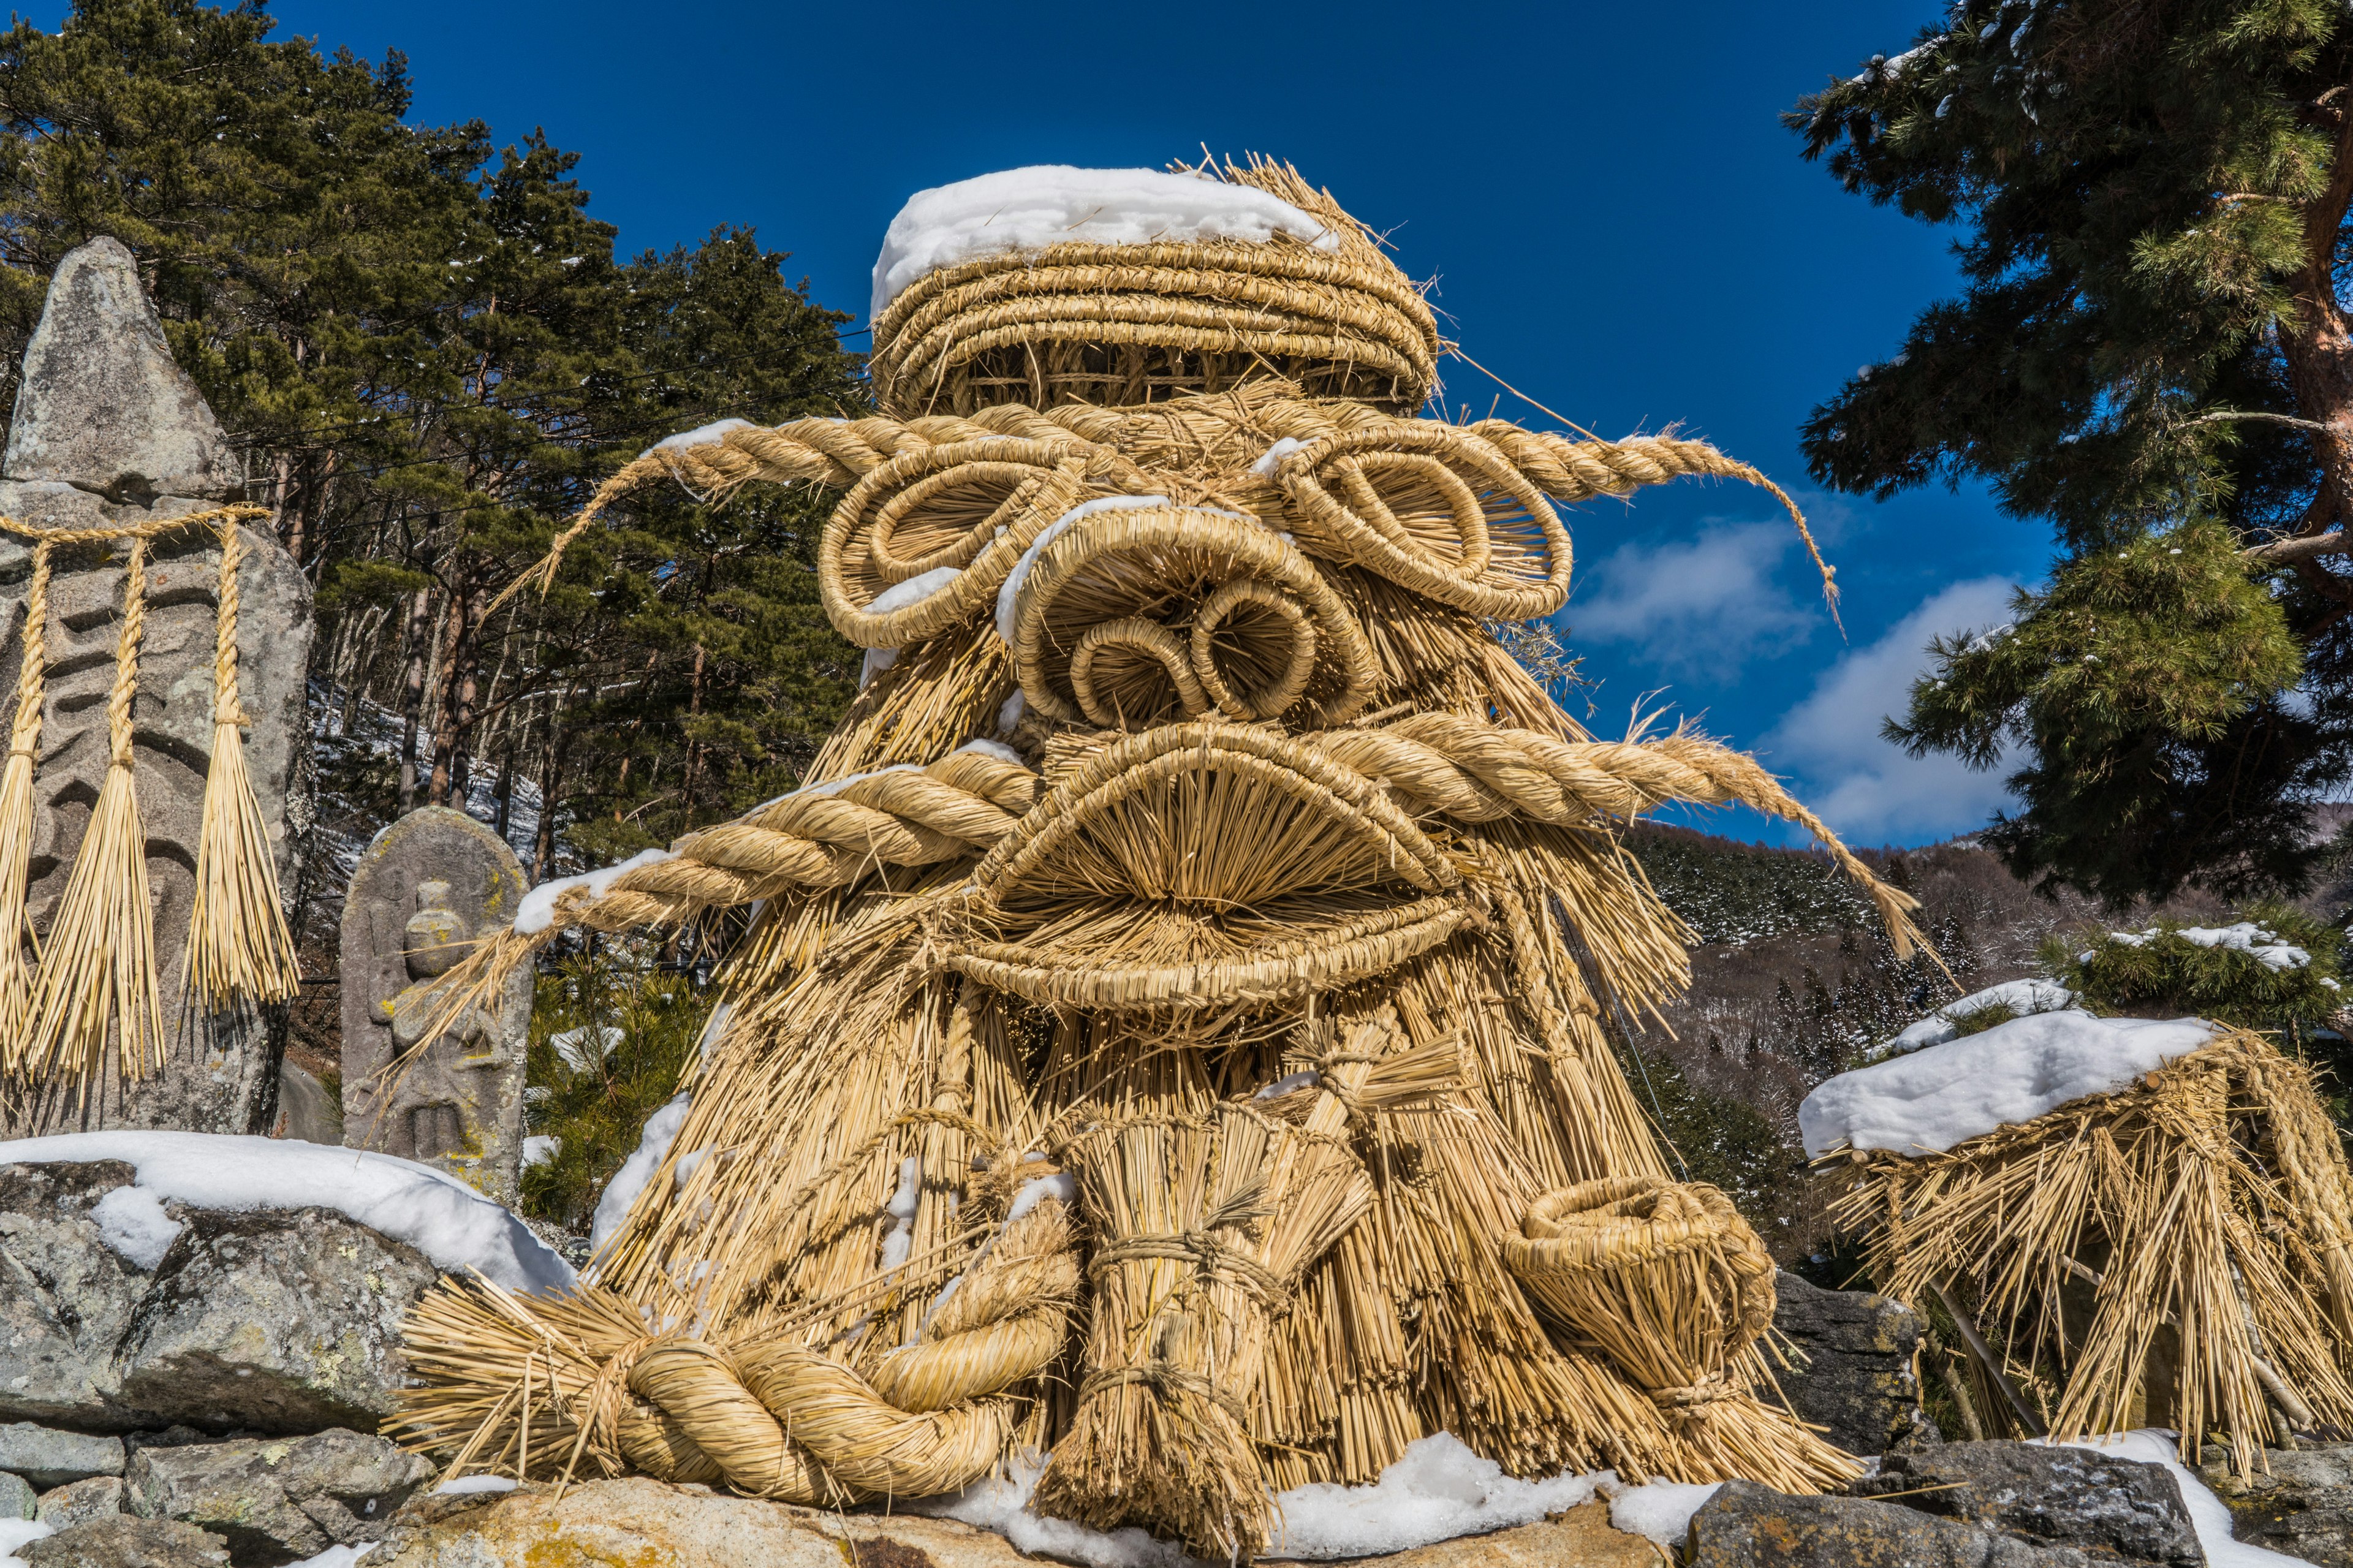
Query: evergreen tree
2150	350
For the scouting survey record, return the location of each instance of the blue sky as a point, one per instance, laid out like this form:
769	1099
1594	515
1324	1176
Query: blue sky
1616	220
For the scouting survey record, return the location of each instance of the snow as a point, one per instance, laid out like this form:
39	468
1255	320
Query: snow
1273	455
583	1049
1063	1187
1283	1085
915	590
1006	594
998	749
2022	997
540	1148
16	1533
470	1485
1009	714
1001	1503
653	1144
1936	1097
1661	1510
1438	1490
2264	946
717	1024
1054	203
2208	1515
336	1556
700	436
132	1221
876	661
450	1222
902	1210
1984	641
538	909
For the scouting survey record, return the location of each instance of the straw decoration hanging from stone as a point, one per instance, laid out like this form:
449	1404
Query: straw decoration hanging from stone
96	976
239	946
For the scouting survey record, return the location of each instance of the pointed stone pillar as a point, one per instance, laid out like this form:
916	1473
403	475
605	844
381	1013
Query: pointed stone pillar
109	431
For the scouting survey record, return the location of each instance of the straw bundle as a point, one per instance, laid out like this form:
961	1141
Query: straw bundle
99	971
2177	1253
17	822
239	946
1672	1285
1137	323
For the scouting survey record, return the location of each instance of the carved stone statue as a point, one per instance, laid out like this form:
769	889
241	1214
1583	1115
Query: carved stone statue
108	431
428	884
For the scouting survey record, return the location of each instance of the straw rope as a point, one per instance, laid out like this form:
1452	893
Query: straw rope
239	947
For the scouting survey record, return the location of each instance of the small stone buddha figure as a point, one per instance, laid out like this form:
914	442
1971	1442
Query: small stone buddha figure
443	1109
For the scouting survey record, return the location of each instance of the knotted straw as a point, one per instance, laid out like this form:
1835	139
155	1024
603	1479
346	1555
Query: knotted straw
239	946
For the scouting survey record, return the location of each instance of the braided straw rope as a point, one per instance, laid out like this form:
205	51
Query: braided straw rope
1016	468
1673	1284
100	969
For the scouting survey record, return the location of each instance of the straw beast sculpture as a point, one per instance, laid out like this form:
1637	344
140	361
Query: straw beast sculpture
1171	1036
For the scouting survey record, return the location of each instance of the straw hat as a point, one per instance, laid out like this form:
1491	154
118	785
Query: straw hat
1129	286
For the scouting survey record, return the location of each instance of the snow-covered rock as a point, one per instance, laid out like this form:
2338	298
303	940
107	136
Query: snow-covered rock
1932	1099
1016	210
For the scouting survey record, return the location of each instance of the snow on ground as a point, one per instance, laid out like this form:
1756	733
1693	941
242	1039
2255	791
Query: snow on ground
2264	946
2209	1514
2022	997
1938	1096
540	1148
132	1221
16	1533
1054	203
450	1222
1661	1510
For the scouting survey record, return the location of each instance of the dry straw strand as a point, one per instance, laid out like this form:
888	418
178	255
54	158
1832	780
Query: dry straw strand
17	943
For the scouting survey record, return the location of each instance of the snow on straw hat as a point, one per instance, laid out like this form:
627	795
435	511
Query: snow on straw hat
1053	284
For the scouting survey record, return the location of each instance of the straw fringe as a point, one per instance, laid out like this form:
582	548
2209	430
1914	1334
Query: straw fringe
239	949
16	824
2206	1206
100	970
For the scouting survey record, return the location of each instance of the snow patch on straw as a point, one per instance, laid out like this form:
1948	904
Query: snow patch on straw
1940	1096
1011	590
1016	210
537	912
700	436
437	1213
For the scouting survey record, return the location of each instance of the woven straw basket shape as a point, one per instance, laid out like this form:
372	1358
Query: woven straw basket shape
1668	1279
1130	325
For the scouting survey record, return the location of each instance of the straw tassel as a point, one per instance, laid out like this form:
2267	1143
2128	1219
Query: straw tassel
16	823
239	946
101	964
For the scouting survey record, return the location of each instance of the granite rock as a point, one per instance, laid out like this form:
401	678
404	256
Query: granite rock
2303	1507
62	1508
1856	1375
122	1541
2108	1505
281	1321
276	1499
49	1458
1746	1525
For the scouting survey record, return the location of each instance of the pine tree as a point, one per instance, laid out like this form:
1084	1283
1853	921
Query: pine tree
2150	352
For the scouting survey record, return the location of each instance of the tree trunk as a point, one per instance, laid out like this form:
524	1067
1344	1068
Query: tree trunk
2319	352
551	781
460	687
413	636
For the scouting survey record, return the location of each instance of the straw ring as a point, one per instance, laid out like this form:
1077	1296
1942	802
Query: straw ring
1245	644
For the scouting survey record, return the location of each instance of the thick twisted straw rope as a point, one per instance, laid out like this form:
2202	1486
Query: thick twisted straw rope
1215	438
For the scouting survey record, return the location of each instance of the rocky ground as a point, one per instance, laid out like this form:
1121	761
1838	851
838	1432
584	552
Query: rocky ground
217	1404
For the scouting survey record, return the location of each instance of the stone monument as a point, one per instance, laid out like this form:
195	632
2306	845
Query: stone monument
108	431
430	883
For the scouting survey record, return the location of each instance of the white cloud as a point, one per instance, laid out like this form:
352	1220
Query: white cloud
1863	785
1707	604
